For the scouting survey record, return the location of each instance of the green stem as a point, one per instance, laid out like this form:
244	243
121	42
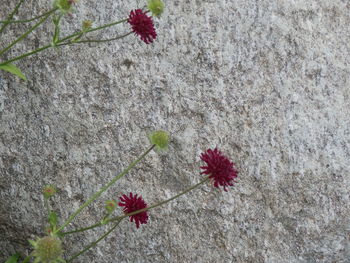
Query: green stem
61	41
161	203
11	15
56	35
27	20
26	54
139	211
93	243
46	202
81	229
26	33
103	189
93	29
95	40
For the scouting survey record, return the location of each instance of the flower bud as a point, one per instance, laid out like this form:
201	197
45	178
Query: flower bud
110	205
156	7
160	139
47	249
49	191
87	24
63	5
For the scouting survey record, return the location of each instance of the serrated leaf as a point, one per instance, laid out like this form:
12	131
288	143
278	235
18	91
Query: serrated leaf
13	69
13	258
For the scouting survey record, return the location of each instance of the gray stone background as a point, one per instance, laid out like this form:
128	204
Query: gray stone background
265	81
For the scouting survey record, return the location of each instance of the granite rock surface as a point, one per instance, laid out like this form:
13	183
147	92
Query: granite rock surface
268	82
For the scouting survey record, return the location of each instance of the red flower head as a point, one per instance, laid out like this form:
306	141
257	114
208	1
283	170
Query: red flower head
142	25
219	168
133	203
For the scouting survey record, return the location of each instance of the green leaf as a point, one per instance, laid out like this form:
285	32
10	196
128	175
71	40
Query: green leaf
13	258
13	69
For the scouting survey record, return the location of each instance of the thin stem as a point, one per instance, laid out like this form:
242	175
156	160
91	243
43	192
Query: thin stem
103	189
46	202
95	40
94	243
26	54
161	203
81	229
27	20
11	15
61	41
93	29
139	211
26	33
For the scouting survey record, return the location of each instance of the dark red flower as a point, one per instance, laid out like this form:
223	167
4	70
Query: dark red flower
133	203
219	168
142	25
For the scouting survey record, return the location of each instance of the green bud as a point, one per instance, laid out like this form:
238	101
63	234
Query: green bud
156	7
87	24
110	205
49	191
160	139
63	5
48	249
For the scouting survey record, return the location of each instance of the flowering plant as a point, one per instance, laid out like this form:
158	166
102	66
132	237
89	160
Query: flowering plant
219	169
141	24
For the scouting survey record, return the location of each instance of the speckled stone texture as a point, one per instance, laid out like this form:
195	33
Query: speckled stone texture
268	82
